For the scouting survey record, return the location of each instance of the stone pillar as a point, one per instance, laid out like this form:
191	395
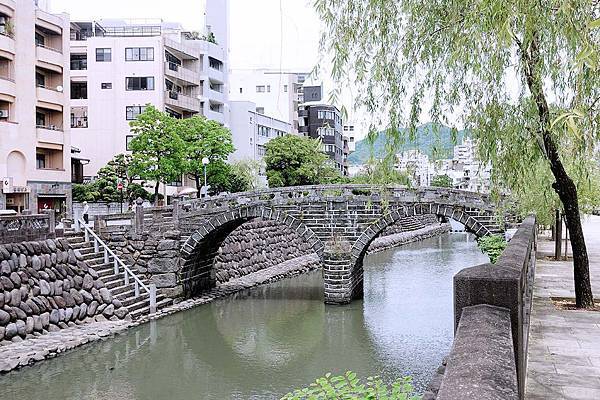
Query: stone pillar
139	216
341	277
164	267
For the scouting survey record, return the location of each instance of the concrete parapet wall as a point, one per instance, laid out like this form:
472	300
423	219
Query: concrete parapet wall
481	364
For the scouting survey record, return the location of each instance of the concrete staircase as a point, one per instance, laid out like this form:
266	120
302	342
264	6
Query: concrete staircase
137	306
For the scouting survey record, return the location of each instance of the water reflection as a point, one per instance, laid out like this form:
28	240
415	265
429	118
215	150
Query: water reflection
260	343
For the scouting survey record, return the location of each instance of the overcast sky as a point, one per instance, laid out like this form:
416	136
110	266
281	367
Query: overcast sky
255	26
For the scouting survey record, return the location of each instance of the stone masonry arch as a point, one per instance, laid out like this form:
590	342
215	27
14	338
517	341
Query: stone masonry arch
196	265
343	271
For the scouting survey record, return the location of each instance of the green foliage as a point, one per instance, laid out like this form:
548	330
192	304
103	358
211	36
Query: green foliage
349	386
85	192
248	171
203	138
294	160
157	149
490	63
376	173
223	177
434	145
492	245
104	188
441	181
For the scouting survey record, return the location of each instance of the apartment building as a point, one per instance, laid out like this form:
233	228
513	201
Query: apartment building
276	93
118	67
417	166
35	141
324	122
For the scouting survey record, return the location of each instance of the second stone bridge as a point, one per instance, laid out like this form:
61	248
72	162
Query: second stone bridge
337	221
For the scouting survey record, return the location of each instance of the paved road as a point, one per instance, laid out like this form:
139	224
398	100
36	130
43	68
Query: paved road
564	346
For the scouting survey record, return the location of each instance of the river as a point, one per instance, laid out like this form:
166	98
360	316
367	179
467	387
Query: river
261	343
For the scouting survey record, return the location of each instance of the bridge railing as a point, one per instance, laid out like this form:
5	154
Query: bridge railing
492	305
366	191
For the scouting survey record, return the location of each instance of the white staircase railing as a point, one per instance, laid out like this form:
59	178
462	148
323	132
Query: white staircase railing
117	263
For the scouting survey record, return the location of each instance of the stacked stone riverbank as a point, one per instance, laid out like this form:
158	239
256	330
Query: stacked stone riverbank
399	239
46	286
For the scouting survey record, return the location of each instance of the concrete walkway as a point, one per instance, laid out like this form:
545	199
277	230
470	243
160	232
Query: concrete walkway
564	346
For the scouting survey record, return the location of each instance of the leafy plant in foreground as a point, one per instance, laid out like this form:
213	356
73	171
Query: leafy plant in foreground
349	386
492	245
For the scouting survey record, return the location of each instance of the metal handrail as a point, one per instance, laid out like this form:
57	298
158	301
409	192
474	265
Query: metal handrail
116	262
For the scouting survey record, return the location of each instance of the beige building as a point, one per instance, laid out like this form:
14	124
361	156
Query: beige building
35	143
117	67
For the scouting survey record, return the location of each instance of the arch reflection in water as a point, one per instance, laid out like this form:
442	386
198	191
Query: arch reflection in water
261	343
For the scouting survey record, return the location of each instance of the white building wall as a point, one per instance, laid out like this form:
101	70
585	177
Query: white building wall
19	136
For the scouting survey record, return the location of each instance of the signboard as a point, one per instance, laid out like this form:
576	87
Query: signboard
120	186
7	185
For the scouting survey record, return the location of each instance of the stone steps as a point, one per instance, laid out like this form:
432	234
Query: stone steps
137	306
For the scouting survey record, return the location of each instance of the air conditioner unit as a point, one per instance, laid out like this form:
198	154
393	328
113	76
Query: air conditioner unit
3	113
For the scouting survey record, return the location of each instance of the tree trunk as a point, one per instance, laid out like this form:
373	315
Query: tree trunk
563	185
198	185
156	186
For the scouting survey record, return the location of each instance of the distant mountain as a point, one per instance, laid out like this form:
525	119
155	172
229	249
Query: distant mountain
426	140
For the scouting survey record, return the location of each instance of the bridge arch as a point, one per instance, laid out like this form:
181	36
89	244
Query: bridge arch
196	268
360	246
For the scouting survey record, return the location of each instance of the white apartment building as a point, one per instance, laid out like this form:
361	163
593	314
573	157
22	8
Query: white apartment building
117	67
417	165
275	93
35	140
251	131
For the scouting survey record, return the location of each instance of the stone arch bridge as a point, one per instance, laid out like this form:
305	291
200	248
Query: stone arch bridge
337	221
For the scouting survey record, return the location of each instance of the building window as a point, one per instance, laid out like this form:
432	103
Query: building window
260	89
128	140
78	90
268	88
241	90
261	150
326	131
78	62
131	112
260	110
139	54
40	40
330	115
215	64
103	54
40	80
139	83
106	85
40	119
285	87
40	161
264	131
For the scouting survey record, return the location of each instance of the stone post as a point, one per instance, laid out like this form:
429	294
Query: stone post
342	279
51	222
164	266
139	216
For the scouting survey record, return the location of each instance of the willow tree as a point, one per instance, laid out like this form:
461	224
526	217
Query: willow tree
522	75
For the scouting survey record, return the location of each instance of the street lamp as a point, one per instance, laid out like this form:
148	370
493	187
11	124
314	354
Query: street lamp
205	162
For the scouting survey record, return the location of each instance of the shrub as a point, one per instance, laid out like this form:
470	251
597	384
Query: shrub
492	245
349	386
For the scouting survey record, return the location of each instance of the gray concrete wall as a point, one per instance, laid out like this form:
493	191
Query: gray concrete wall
102	208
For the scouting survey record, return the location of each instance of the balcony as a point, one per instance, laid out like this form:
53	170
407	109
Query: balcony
50	22
7	43
49	55
183	74
215	116
50	134
182	101
7	86
216	96
50	95
11	5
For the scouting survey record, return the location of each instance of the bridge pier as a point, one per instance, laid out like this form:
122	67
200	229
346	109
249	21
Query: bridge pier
341	278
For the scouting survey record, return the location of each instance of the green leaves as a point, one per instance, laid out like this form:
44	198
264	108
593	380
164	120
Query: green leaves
294	160
349	386
492	245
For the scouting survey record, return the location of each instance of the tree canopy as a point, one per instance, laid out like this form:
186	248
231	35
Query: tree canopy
294	160
441	181
521	75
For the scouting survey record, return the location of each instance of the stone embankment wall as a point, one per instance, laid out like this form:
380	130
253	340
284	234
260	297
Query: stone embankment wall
257	245
45	286
407	224
398	239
